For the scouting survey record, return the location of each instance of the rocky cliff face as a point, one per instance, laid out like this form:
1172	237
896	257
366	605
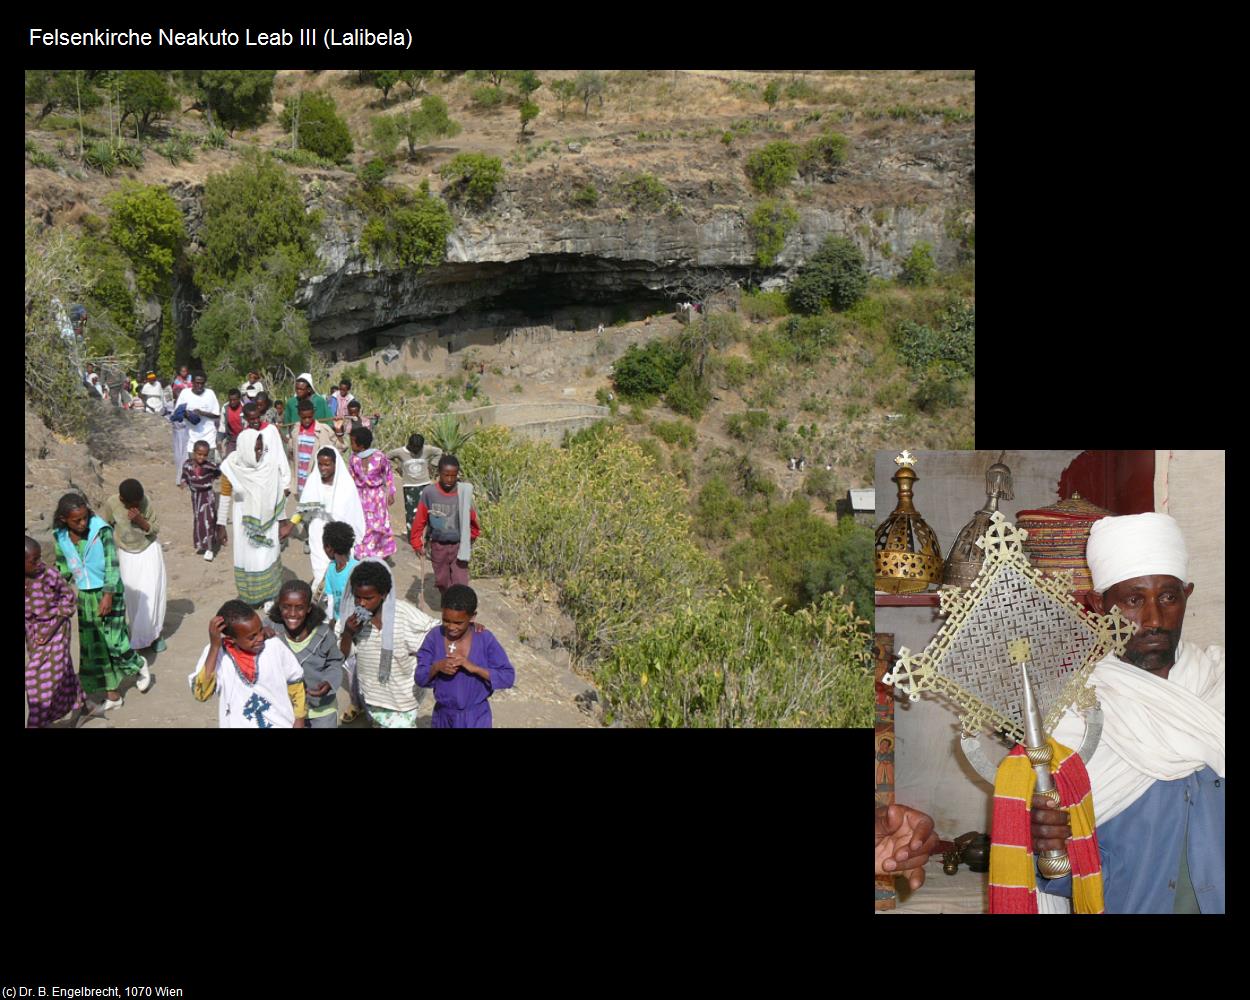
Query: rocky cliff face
532	252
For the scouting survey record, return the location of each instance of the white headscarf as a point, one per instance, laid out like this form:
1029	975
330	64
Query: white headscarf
257	485
307	377
1123	548
339	500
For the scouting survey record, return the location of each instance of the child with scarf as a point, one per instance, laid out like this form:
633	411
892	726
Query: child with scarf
375	625
198	474
374	481
446	506
52	687
87	555
315	646
260	682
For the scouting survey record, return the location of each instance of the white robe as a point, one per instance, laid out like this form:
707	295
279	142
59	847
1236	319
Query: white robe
1153	729
206	429
143	577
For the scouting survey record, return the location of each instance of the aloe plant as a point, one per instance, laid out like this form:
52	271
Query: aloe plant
448	432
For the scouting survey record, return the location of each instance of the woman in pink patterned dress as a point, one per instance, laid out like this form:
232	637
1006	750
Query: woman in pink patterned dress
52	687
371	471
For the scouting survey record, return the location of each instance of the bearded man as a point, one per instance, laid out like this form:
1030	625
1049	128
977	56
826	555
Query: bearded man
1157	775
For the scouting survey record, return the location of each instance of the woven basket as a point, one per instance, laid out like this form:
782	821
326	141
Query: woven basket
1057	537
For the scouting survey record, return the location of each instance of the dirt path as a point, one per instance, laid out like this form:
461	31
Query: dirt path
547	693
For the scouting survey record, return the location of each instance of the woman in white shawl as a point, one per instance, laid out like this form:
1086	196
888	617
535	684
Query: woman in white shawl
253	501
329	495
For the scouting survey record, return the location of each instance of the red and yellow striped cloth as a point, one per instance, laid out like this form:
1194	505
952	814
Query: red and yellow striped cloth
1013	882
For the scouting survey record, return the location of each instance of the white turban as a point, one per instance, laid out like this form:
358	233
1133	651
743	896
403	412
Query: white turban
1122	548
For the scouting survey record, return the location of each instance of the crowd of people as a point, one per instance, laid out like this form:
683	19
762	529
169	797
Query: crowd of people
278	654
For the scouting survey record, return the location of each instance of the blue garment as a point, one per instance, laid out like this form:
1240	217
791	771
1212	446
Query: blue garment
1141	848
461	700
336	584
88	569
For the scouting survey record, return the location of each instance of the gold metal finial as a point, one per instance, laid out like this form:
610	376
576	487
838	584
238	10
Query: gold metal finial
906	459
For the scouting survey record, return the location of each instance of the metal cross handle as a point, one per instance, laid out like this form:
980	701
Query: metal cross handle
1053	863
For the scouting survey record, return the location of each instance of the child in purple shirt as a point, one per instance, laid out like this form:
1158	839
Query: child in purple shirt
462	665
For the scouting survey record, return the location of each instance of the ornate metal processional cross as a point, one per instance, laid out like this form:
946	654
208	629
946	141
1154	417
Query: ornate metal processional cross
1015	640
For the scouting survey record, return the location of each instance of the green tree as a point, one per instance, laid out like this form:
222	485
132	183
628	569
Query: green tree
772	167
251	324
417	125
52	89
565	91
414	79
472	178
384	80
717	510
312	119
589	83
237	98
146	225
772	94
834	278
769	224
918	268
526	81
145	94
384	135
529	111
250	212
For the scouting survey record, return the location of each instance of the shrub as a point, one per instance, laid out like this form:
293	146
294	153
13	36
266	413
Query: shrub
472	178
586	197
834	277
373	173
772	167
820	484
487	96
736	371
918	268
249	213
590	520
717	510
736	660
688	394
939	387
38	158
647	371
644	193
763	305
56	277
954	342
746	426
769	225
408	231
675	432
320	129
823	154
129	155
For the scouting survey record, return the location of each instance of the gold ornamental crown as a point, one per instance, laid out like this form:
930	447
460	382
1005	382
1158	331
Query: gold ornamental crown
908	557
